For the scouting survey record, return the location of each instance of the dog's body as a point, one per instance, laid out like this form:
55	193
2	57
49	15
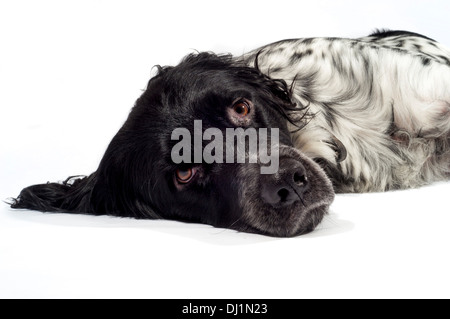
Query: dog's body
385	97
372	113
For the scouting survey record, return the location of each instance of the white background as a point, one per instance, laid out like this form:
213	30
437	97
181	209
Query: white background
69	73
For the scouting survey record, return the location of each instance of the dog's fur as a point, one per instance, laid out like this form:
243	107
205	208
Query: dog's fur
355	115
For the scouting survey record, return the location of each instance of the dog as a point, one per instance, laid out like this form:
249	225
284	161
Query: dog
352	115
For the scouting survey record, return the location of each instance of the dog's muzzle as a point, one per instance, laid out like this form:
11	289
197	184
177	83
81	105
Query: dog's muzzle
290	202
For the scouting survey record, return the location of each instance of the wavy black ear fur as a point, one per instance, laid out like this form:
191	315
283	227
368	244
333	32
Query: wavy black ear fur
117	187
71	195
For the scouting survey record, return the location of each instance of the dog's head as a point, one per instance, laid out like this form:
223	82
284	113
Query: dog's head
138	175
208	142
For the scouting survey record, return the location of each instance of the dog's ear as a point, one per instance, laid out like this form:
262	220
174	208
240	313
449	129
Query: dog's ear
114	189
72	195
123	180
118	187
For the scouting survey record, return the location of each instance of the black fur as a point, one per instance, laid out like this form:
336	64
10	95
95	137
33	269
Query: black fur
383	33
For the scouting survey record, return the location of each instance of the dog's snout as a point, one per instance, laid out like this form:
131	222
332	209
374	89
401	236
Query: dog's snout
285	187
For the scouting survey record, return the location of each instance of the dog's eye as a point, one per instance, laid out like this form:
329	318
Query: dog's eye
241	108
184	175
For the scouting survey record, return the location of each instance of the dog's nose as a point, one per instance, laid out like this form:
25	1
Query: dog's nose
285	187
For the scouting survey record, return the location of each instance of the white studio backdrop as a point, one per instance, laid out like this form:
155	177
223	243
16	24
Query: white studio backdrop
69	73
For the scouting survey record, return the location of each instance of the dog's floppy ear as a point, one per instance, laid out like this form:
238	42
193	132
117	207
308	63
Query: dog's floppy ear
111	190
72	195
123	180
118	187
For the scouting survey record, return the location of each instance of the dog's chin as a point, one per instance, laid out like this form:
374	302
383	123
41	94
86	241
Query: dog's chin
300	217
291	221
286	222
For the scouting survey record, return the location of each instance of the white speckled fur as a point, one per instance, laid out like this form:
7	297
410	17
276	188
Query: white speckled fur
387	99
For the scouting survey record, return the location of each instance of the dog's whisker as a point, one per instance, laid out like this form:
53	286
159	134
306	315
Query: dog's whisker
235	222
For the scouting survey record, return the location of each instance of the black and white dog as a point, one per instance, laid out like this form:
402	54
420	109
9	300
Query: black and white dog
354	115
